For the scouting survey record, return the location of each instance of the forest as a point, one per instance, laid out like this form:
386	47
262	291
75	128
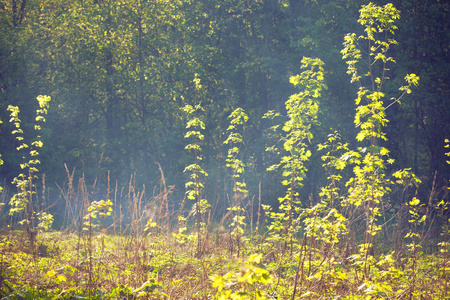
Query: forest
224	149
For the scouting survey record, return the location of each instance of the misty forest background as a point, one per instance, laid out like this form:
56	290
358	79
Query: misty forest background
118	73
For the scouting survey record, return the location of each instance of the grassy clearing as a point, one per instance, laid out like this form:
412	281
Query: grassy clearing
158	264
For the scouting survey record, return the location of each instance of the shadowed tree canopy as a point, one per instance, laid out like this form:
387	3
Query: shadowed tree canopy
118	72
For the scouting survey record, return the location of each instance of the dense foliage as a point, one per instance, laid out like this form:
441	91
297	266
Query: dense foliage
118	72
185	156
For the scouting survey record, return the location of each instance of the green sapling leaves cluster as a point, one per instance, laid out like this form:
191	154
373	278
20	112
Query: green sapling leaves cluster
249	280
194	186
21	201
302	111
97	213
443	209
370	183
234	140
238	118
370	114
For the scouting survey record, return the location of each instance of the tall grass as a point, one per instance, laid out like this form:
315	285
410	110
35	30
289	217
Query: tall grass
153	259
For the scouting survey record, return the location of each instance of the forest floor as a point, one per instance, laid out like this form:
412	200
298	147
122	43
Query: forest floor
157	265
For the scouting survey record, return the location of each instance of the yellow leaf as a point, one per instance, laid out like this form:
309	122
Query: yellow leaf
218	282
414	202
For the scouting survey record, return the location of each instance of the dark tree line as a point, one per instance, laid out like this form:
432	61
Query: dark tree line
119	71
